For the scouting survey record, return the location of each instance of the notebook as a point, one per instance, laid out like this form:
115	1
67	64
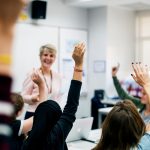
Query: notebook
80	130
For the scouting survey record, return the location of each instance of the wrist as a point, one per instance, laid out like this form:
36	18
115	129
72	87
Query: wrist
77	69
79	66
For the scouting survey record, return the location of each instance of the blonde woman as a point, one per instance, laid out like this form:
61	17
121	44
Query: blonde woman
52	80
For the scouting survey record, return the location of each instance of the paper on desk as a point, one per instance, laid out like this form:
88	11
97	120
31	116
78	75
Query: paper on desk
81	145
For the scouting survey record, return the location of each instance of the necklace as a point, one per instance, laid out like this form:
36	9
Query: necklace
49	90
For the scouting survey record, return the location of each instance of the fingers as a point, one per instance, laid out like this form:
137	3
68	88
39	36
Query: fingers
140	69
118	66
35	75
79	49
134	77
135	68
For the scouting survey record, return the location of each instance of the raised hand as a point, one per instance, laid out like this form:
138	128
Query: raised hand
35	98
115	69
141	74
142	77
78	54
37	77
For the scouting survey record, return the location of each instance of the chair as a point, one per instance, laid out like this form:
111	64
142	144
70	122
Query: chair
95	105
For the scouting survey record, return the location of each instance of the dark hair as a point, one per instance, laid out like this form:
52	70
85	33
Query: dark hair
18	103
122	128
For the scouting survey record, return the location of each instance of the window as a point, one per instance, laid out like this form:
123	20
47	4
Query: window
143	38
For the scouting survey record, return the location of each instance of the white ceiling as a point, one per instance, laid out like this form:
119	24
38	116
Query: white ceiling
131	4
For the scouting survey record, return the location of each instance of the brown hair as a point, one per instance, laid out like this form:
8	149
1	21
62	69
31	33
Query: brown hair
9	11
18	103
122	128
49	47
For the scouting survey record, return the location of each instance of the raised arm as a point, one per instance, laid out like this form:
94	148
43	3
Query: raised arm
115	70
64	125
121	92
37	78
9	11
142	77
30	90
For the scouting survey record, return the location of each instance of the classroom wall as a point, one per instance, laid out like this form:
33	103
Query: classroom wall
101	23
112	39
97	26
62	15
121	44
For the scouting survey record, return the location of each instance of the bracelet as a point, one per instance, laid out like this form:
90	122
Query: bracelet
78	70
5	59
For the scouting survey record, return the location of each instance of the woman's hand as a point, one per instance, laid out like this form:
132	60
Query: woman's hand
78	54
142	77
141	74
37	77
115	70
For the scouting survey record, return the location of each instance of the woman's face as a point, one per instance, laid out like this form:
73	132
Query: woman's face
47	59
144	98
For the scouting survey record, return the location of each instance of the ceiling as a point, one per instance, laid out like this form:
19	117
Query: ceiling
130	4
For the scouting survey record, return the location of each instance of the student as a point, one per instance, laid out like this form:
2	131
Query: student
142	103
9	11
124	129
52	80
19	127
51	126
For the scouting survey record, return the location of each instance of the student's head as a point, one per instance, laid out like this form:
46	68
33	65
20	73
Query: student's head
122	128
18	104
9	12
45	118
47	55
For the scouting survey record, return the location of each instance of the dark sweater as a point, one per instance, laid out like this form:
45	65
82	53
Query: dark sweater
124	95
55	138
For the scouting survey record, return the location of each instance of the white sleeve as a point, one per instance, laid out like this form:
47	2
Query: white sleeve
21	127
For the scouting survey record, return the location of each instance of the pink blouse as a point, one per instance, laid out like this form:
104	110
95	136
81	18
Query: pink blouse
30	89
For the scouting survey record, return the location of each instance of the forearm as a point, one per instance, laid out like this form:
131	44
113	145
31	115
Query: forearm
43	93
78	70
121	92
72	100
27	126
147	90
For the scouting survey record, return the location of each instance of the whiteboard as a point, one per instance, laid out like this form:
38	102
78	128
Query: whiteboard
27	41
68	39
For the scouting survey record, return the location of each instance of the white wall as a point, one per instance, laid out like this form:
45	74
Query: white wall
121	43
111	38
97	26
61	15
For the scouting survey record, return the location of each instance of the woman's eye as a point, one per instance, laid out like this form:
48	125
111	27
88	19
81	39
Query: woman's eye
45	55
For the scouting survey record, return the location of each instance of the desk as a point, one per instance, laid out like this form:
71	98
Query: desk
80	145
86	145
103	111
110	101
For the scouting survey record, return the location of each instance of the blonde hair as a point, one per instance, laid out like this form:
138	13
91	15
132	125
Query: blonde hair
49	47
